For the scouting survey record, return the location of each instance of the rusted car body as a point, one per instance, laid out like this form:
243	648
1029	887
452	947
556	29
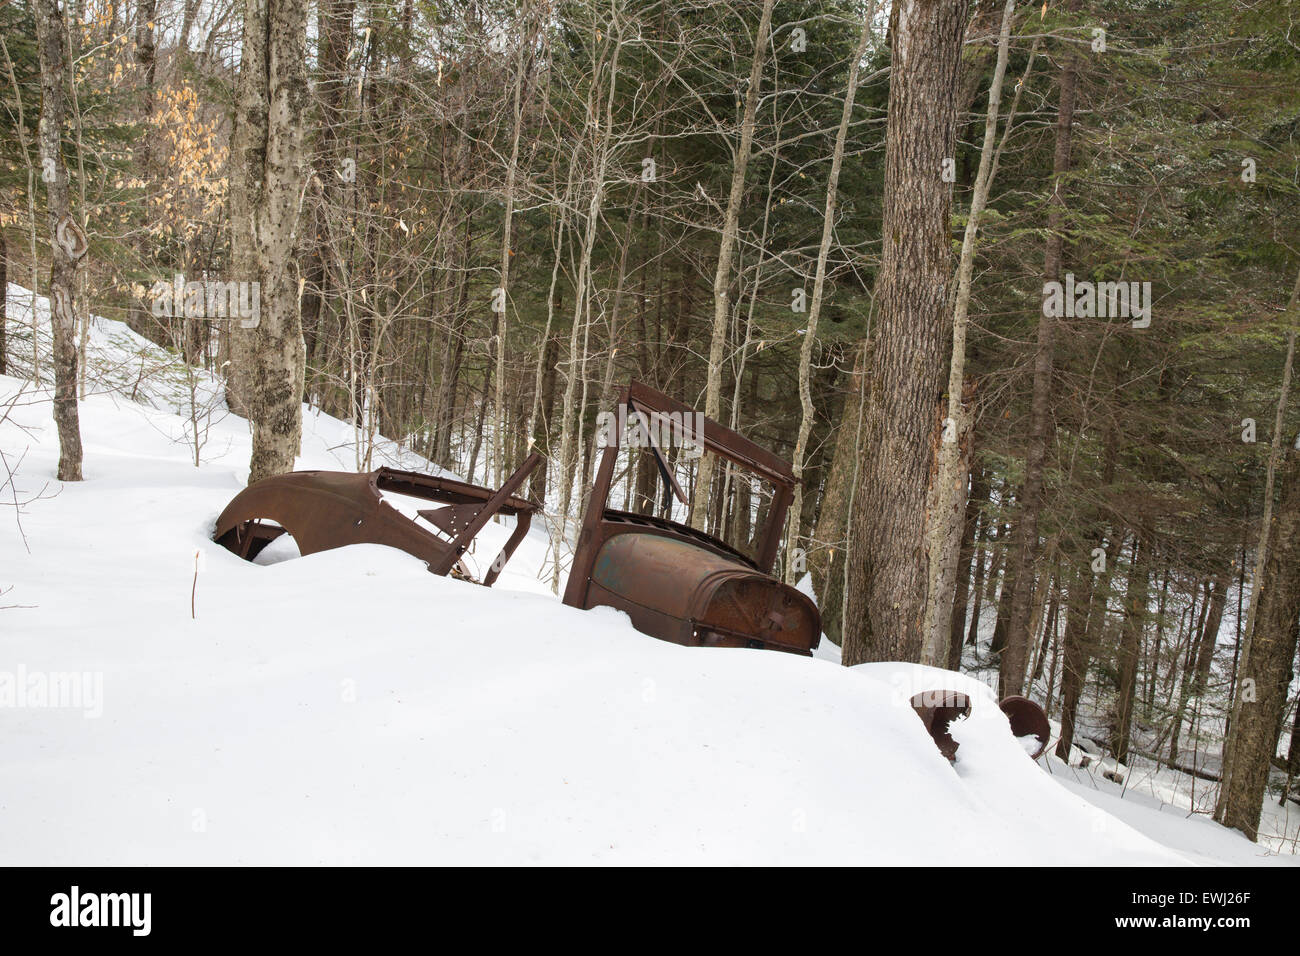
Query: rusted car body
677	583
331	509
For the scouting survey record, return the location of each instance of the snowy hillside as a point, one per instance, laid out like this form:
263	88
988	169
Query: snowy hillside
349	707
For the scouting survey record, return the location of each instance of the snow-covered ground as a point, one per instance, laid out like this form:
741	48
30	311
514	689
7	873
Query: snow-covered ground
349	707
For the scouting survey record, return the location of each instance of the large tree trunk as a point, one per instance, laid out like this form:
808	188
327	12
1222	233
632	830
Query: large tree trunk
266	159
1265	666
1246	744
1011	672
67	241
726	248
888	566
948	493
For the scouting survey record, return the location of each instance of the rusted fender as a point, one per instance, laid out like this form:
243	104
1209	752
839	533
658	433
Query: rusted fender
1028	720
939	708
333	509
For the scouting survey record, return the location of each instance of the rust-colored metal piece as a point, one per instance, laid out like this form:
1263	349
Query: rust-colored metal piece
679	584
331	509
1027	720
937	710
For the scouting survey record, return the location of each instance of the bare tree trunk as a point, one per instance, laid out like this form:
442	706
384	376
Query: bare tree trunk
722	276
1199	656
1266	662
1011	671
4	300
1247	741
1077	652
807	411
571	429
499	439
67	241
21	127
266	185
957	618
1134	616
948	501
888	566
826	558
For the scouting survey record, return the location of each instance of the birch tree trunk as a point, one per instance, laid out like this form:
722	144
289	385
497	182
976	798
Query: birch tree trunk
887	567
269	359
67	241
722	276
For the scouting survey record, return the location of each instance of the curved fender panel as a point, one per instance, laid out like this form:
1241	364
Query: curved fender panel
324	510
1028	720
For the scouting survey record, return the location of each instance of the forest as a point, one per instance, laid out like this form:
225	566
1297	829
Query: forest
1014	288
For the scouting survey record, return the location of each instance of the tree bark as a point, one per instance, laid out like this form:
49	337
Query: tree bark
269	359
67	241
948	503
1077	653
1244	742
888	566
1265	666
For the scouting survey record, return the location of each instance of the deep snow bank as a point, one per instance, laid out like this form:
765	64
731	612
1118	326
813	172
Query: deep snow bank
350	707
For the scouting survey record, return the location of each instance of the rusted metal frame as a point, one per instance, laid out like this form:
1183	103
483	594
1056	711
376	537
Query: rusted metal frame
670	480
584	551
717	438
494	504
448	490
522	521
739	450
775	527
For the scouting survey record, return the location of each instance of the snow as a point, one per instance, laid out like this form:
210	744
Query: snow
349	707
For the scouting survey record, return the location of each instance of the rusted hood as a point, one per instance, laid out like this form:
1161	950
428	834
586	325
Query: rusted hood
723	602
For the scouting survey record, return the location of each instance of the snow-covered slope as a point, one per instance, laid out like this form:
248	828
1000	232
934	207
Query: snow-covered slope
349	707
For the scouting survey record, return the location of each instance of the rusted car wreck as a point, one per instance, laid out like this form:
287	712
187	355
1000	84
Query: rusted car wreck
675	583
